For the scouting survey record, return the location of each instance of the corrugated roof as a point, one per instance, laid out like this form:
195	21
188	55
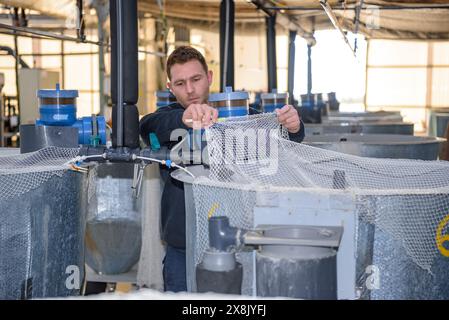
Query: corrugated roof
382	19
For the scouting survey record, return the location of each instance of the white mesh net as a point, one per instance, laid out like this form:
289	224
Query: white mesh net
21	173
152	253
42	214
408	199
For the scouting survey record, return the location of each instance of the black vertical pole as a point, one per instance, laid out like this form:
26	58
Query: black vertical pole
271	52
227	9
80	30
17	57
62	62
124	73
16	70
309	70
119	79
291	65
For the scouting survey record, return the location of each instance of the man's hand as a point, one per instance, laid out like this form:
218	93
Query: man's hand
289	118
199	116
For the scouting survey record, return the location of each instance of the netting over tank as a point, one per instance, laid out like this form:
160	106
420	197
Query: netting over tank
21	173
406	198
43	207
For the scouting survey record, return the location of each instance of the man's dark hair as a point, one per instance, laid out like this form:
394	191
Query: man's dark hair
182	55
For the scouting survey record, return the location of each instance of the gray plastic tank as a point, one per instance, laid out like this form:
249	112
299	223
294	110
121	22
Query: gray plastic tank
323	264
296	271
273	100
362	116
360	127
379	145
42	238
400	277
113	235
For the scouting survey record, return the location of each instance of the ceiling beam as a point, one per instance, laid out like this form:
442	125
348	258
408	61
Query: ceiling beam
287	21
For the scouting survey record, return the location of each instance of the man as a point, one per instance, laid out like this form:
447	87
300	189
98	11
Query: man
189	80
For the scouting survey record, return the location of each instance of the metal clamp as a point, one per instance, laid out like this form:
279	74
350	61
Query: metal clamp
138	178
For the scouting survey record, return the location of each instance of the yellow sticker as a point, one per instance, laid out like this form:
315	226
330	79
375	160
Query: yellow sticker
441	239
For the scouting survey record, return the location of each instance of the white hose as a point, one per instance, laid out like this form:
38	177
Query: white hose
164	163
151	159
183	169
81	158
93	156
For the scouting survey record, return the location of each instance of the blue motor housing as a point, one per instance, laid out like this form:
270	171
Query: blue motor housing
272	107
58	108
273	100
54	115
230	103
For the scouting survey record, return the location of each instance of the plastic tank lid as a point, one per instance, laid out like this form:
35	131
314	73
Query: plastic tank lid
165	94
274	95
57	93
228	95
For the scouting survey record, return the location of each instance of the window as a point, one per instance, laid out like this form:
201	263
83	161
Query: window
408	76
334	68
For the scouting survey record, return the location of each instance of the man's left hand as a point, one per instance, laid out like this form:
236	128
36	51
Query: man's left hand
289	118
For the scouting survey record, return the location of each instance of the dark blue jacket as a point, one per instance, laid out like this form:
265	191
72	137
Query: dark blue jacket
162	123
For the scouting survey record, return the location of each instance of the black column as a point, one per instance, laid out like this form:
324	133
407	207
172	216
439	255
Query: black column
271	52
226	44
309	70
291	65
124	73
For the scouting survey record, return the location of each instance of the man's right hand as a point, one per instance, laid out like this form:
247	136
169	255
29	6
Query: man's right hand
199	116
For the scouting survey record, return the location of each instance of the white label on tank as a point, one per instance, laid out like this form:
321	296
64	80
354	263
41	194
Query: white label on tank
60	117
267	199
